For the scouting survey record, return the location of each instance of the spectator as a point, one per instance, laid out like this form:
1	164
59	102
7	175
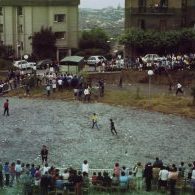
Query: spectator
182	169
117	170
85	166
158	163
173	176
12	171
99	178
139	175
193	180
18	169
7	173
148	176
163	177
123	180
1	174
179	88
32	170
94	178
106	180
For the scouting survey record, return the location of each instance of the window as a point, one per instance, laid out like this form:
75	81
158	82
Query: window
1	11
20	28
1	28
60	35
19	11
59	18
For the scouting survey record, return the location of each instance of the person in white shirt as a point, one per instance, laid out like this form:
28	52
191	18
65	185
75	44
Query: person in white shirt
18	169
163	177
85	166
179	88
54	85
60	84
193	180
45	169
86	94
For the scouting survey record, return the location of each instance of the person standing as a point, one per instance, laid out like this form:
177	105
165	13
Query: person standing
94	121
6	107
6	172
1	175
112	127
179	88
148	176
48	88
85	166
44	154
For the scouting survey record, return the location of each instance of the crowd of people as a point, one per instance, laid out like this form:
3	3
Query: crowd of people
52	82
151	176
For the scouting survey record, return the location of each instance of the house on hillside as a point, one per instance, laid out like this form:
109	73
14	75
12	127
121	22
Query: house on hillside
19	19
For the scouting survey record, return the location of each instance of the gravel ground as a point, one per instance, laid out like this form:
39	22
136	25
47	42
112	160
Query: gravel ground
65	127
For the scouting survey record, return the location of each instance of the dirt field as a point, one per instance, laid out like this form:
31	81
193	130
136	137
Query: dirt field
65	127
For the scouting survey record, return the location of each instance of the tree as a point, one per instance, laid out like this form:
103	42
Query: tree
43	44
95	41
150	41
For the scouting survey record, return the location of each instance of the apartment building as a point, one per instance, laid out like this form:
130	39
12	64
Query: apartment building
20	19
159	14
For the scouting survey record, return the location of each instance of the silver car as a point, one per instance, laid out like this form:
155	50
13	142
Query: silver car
96	60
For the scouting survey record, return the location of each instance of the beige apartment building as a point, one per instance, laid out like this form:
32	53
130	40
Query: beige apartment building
19	19
161	15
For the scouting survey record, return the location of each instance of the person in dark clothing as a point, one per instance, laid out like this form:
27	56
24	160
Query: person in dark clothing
99	178
44	184
112	127
44	154
6	107
158	163
101	87
106	180
148	176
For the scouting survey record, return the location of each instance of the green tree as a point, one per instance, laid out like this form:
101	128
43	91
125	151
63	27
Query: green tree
94	40
43	44
159	42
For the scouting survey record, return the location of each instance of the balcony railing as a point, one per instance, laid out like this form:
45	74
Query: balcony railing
152	10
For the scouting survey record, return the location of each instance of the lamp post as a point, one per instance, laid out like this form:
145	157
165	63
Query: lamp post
150	73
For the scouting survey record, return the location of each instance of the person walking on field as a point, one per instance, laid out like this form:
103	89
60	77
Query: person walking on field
94	121
44	154
112	127
6	107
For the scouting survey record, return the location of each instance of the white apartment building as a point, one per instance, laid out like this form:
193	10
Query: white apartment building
19	19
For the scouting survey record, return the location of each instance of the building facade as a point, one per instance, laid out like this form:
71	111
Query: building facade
20	19
161	15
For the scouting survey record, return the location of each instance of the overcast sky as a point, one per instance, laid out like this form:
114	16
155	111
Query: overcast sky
98	4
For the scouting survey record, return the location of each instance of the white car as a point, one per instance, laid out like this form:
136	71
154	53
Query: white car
152	58
23	64
95	60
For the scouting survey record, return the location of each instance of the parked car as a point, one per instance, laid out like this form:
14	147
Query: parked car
152	58
44	63
23	64
96	60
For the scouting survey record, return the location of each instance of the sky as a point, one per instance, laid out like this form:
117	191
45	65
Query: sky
98	4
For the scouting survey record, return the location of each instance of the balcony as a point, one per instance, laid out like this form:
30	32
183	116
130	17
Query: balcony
152	11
